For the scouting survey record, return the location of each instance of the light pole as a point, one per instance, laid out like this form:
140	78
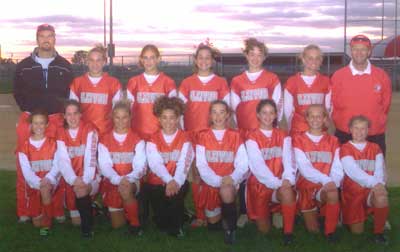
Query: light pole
105	30
111	46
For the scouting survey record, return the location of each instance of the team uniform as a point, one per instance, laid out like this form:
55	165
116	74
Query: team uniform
143	90
270	160
37	162
220	153
300	92
121	155
364	167
247	89
76	155
96	96
373	85
169	158
318	162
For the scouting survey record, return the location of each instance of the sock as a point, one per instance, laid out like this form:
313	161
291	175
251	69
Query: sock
84	206
331	217
229	215
288	212
380	217
47	215
196	194
132	213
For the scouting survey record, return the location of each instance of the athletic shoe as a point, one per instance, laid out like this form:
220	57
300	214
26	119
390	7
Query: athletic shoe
24	219
135	230
288	239
196	223
60	219
44	231
277	220
177	233
230	237
388	227
242	220
381	239
87	235
332	238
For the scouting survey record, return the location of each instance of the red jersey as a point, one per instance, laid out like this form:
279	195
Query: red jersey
76	146
121	153
220	155
170	153
199	96
366	94
41	160
250	94
304	95
321	155
143	120
96	100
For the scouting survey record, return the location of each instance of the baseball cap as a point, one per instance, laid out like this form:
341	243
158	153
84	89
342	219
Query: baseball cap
44	27
360	40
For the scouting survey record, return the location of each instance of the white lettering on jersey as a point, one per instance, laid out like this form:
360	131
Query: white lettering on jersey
76	151
270	153
254	94
220	156
319	156
122	157
311	98
147	97
41	165
203	96
94	98
170	156
366	164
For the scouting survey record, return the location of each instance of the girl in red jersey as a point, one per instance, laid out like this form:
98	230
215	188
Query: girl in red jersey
170	155
272	172
320	173
41	174
122	162
222	162
145	88
197	92
363	189
247	89
76	156
305	88
96	91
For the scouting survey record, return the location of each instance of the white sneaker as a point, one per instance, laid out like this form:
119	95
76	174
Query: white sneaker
23	219
60	219
387	226
277	220
242	220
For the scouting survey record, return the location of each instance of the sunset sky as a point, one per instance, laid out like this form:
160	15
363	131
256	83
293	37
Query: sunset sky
177	25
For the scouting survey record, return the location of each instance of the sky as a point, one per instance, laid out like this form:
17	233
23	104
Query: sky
177	26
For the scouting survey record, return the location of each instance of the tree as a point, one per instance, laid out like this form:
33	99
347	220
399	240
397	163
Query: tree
80	57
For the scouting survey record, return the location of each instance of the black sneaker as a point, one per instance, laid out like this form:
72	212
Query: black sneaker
332	238
380	239
87	235
135	230
288	239
229	237
177	233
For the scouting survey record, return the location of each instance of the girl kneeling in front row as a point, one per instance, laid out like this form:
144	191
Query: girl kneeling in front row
222	162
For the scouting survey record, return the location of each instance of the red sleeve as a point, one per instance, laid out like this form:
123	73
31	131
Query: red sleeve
224	90
132	85
387	92
169	85
345	151
290	85
235	86
74	87
116	86
184	87
297	142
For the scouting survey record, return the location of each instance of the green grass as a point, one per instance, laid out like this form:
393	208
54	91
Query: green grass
64	237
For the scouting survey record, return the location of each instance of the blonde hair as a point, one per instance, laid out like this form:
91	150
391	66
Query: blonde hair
213	51
149	47
308	48
322	107
99	48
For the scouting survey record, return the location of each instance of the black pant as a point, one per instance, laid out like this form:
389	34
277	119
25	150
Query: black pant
168	211
378	139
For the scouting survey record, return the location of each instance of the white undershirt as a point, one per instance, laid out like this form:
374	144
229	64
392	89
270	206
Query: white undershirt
45	62
359	146
150	78
253	76
95	80
73	132
219	134
37	143
119	137
205	79
308	79
267	133
169	138
314	138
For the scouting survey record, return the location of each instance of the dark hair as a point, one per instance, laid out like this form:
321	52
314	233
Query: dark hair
213	51
38	112
149	47
359	118
164	102
220	102
251	43
70	102
268	102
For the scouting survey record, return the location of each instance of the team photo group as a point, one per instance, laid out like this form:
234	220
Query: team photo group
241	151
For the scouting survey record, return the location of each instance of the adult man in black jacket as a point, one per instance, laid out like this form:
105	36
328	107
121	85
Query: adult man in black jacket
41	83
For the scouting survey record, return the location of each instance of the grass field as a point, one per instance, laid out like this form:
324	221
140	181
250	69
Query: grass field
64	237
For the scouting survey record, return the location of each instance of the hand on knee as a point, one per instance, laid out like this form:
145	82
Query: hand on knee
227	194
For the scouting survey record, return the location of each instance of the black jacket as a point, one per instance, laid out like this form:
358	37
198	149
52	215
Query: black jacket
30	89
